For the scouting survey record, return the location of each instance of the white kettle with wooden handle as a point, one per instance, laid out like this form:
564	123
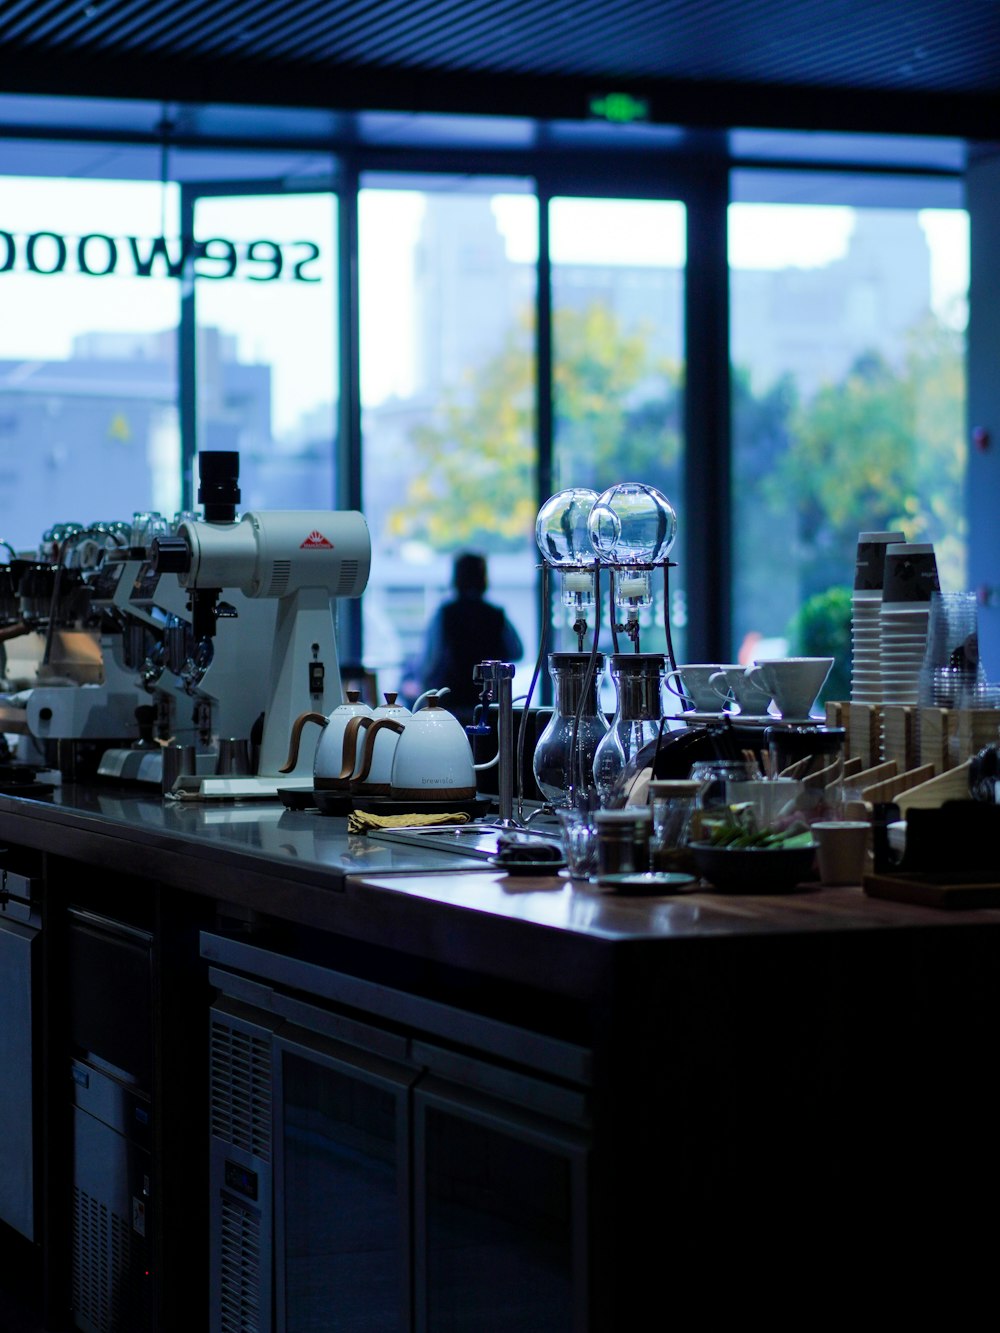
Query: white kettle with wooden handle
338	750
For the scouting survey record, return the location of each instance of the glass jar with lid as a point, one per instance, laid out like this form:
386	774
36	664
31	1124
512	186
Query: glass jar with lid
811	758
674	802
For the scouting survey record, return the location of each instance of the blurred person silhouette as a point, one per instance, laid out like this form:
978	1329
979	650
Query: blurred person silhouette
466	630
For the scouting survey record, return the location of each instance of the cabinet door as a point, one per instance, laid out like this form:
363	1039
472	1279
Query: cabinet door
18	951
342	1190
500	1216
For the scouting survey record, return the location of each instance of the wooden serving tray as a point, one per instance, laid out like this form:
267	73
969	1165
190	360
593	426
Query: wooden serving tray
935	890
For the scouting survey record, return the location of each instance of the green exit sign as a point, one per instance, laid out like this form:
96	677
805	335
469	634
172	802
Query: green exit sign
621	108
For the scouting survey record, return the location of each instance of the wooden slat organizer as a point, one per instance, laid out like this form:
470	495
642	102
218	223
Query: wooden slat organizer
919	759
904	750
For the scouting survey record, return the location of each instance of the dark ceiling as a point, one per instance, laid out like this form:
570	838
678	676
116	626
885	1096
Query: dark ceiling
910	66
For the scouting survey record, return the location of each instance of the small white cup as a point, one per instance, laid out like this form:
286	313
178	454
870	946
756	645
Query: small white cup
793	682
841	850
694	682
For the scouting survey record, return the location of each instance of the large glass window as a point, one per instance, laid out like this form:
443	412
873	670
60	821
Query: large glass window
618	363
447	292
266	302
847	344
89	426
847	349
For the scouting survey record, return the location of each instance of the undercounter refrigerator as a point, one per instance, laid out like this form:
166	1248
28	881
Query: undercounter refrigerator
20	961
113	1219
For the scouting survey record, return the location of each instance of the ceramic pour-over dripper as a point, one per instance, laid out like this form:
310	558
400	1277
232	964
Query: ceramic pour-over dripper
793	682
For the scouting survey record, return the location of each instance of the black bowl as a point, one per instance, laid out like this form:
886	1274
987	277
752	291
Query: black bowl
754	869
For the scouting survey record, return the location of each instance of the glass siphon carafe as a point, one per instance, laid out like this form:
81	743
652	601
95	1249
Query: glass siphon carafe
563	780
638	679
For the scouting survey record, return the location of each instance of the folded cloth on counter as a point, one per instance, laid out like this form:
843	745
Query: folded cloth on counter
360	821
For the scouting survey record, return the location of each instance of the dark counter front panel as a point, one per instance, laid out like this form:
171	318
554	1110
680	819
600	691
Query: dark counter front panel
805	1073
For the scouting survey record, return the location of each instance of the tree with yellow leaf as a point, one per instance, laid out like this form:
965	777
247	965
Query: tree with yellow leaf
616	412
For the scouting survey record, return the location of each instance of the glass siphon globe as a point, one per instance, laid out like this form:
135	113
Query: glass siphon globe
632	524
563	539
561	529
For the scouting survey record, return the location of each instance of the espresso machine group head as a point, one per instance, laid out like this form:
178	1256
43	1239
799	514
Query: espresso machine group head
305	559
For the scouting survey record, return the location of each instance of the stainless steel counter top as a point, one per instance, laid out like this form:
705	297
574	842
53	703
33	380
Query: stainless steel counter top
265	829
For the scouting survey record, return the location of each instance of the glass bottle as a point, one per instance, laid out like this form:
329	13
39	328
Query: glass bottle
809	762
562	780
638	679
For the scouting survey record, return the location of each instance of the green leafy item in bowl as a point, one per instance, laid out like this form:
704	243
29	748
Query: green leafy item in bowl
737	828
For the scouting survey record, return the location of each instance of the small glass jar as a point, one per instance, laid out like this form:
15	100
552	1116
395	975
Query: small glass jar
624	840
674	803
717	778
813	758
617	853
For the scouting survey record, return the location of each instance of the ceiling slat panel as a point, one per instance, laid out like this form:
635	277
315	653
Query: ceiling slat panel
936	46
471	32
26	19
312	25
108	25
165	29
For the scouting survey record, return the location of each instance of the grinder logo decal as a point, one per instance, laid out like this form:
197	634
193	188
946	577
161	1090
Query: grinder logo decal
316	542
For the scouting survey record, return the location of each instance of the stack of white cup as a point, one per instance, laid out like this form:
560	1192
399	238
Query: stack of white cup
910	577
866	611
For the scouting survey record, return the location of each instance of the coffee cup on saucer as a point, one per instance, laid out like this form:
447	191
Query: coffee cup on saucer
692	683
733	683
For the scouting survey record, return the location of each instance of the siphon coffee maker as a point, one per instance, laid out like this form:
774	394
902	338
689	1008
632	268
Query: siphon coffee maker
563	762
638	679
628	531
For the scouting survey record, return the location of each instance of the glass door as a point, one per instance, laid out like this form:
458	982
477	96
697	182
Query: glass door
342	1186
88	368
500	1216
266	347
618	357
447	289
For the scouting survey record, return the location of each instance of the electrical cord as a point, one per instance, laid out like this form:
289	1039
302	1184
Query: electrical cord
581	799
522	729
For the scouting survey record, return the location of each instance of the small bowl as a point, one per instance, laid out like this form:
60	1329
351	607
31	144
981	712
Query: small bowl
754	869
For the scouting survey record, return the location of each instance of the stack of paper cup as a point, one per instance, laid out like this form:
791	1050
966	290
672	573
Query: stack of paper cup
910	577
866	607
